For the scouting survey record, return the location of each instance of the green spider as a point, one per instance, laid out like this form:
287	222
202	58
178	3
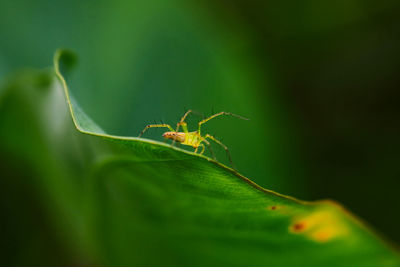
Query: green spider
193	139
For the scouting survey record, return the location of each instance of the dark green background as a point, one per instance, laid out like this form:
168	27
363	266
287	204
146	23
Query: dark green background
319	80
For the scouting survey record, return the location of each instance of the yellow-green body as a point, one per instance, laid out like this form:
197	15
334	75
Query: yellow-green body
193	139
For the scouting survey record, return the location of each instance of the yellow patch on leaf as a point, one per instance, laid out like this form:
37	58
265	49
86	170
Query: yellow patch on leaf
320	226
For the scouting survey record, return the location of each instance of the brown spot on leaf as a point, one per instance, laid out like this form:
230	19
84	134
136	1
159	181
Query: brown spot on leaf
299	226
320	226
275	207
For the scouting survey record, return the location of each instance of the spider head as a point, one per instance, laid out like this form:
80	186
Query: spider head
177	136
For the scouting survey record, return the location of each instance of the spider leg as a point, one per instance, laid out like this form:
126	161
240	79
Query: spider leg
202	151
209	148
156	126
182	122
220	114
224	146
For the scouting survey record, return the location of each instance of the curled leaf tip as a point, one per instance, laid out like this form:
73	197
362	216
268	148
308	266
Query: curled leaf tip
65	60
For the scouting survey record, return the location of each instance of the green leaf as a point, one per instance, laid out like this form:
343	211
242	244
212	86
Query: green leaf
125	201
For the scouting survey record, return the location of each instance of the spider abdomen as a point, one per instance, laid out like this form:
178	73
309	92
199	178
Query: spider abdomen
177	136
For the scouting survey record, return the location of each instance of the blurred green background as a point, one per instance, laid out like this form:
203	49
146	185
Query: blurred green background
319	80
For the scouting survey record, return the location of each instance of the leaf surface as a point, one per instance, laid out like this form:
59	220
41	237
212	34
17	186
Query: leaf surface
126	201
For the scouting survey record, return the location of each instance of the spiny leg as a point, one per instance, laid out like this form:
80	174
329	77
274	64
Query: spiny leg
220	114
202	151
224	146
156	126
182	122
209	148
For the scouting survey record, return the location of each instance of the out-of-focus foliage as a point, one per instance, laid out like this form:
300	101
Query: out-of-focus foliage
103	200
319	79
147	61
